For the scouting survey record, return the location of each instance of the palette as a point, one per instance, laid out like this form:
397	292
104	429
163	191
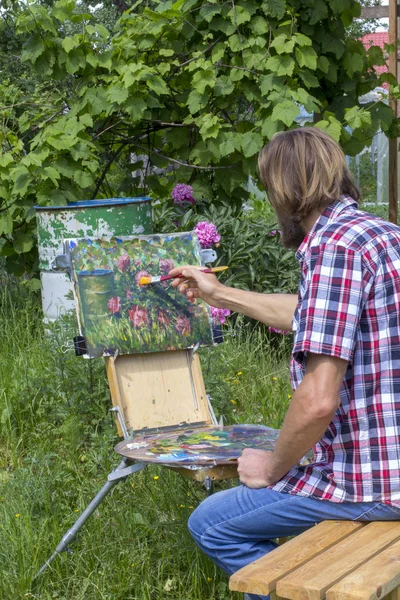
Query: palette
203	446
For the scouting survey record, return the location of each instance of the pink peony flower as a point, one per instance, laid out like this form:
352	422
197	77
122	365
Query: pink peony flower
182	193
138	316
114	305
220	314
163	318
275	330
166	265
182	325
207	234
123	262
139	276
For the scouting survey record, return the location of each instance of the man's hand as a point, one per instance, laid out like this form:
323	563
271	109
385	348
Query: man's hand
256	468
275	310
198	285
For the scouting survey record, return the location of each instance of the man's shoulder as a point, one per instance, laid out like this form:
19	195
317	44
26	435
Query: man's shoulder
358	231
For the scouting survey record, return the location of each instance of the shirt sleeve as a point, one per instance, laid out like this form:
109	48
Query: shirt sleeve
331	301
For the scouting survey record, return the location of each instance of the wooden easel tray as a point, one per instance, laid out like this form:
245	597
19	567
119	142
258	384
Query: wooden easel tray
202	446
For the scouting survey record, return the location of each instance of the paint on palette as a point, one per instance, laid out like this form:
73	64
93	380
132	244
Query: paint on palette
200	446
116	313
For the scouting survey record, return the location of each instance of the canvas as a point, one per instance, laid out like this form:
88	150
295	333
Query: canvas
116	313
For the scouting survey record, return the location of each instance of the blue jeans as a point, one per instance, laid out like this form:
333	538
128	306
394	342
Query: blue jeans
239	525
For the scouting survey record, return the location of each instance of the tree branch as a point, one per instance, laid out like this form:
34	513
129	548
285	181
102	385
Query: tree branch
185	164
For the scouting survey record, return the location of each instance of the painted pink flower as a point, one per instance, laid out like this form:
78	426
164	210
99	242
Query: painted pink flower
164	318
123	262
182	325
166	265
220	314
129	294
139	276
182	193
138	262
207	234
138	316
114	305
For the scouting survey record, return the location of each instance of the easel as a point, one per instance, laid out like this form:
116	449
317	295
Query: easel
157	391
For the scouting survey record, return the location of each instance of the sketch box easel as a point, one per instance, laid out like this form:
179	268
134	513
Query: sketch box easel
152	391
164	391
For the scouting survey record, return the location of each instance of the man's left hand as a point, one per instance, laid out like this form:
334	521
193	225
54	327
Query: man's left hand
256	468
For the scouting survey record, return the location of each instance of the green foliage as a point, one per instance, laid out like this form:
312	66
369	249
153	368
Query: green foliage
196	88
250	243
56	450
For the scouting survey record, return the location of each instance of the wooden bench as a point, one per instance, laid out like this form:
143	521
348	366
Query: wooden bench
334	560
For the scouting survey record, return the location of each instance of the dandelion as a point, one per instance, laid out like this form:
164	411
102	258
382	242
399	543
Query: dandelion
220	314
240	373
182	193
183	325
233	401
156	477
209	579
76	510
123	262
133	565
114	305
181	506
236	381
274	379
17	515
207	234
289	396
191	507
132	485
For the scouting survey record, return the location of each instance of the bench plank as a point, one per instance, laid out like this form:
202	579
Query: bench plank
312	580
260	576
373	580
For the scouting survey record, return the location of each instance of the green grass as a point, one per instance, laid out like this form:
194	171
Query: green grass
56	449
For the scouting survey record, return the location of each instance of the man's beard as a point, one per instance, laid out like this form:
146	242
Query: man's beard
292	232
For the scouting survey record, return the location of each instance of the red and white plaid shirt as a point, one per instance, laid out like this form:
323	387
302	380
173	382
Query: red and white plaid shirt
349	307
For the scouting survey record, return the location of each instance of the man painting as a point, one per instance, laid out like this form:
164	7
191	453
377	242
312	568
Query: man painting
345	365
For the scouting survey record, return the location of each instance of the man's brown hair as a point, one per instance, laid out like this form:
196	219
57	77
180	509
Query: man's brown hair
304	170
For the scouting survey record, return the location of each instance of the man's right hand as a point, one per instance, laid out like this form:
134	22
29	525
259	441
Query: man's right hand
196	284
275	310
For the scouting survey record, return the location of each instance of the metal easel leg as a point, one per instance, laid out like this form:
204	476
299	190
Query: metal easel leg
119	474
124	469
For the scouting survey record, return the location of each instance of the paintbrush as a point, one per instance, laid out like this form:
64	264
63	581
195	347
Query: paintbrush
150	279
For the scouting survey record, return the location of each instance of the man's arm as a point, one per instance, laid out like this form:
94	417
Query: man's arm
311	410
275	310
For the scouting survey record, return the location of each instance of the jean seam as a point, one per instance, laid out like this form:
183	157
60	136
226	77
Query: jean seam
366	512
239	516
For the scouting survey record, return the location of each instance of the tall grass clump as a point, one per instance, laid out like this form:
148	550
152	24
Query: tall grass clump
56	449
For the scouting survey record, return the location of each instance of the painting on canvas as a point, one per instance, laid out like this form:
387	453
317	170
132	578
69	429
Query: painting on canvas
117	313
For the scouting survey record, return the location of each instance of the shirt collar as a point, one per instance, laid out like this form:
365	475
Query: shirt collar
330	214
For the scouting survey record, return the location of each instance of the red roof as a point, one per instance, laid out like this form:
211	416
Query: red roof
379	38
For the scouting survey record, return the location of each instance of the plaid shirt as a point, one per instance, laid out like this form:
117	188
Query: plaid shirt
349	307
